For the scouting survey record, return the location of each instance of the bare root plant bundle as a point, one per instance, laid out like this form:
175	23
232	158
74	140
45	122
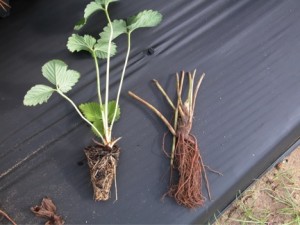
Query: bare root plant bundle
185	158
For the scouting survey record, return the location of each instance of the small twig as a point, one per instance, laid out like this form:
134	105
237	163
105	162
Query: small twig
7	217
158	113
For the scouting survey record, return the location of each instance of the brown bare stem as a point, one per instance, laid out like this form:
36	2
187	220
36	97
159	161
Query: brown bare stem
158	113
191	89
197	89
174	138
7	217
164	93
179	91
190	96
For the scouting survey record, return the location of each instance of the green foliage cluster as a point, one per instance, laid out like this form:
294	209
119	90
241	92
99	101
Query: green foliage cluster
99	115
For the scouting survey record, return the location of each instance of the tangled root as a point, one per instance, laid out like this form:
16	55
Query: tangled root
102	161
187	161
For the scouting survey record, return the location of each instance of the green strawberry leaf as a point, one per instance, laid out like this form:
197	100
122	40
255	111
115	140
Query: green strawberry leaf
80	24
91	111
99	125
147	18
77	43
56	71
38	94
111	109
105	3
101	49
119	27
52	69
90	9
67	80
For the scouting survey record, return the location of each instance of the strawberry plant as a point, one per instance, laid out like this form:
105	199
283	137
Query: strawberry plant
185	158
102	114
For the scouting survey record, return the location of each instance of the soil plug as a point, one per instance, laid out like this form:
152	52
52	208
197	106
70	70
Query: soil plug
47	210
101	115
185	158
5	215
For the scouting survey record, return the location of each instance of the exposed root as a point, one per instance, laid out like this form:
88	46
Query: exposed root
7	217
187	162
102	161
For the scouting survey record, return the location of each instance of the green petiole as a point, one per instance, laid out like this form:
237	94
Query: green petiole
107	129
122	78
79	113
98	87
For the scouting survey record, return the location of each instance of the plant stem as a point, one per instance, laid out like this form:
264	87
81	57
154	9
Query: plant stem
190	92
175	120
164	93
158	113
98	88
121	80
197	89
174	136
80	114
179	87
189	100
106	127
